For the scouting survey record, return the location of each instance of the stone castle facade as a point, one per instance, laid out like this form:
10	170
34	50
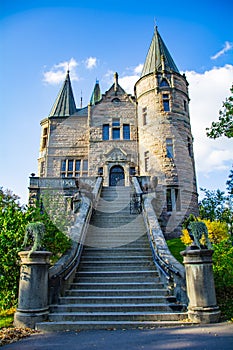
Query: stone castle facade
118	136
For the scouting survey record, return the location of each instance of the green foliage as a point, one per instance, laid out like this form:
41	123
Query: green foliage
223	263
223	276
217	231
216	206
229	183
225	124
13	221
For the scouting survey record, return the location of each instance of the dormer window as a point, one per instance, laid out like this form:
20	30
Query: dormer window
164	83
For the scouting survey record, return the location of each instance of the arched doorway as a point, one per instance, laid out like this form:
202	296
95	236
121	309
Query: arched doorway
117	176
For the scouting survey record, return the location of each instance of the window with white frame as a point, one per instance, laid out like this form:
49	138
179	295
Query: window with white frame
105	132
169	148
146	160
126	132
173	199
166	103
44	138
74	167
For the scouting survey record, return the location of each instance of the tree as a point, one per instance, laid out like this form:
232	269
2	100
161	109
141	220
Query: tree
225	124
217	206
229	183
13	221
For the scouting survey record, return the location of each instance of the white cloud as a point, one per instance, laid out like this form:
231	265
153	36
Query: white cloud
91	62
57	73
128	82
138	69
228	46
207	92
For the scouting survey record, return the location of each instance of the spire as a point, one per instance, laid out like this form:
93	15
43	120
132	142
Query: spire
96	94
64	105
158	57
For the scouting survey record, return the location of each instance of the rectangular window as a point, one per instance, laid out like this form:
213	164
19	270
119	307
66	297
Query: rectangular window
105	132
116	133
63	165
126	132
74	167
116	122
42	168
185	106
70	165
77	168
166	104
169	148
173	199
144	116
85	165
45	137
146	158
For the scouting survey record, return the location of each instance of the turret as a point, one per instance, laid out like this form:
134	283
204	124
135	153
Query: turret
165	139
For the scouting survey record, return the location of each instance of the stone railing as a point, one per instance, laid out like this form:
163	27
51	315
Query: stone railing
62	273
171	271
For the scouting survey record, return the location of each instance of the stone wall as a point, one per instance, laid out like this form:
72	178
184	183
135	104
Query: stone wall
177	171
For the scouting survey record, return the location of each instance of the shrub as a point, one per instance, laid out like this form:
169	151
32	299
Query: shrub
217	232
13	221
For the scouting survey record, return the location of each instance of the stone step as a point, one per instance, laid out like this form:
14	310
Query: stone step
136	299
125	251
117	316
116	292
103	259
113	308
113	267
117	285
118	275
109	325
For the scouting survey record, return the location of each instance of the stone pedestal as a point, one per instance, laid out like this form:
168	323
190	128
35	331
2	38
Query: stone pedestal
200	285
33	289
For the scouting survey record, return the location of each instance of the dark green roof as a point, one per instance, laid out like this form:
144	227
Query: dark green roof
158	57
64	105
96	94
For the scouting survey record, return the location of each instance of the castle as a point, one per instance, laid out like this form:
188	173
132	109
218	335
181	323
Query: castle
119	135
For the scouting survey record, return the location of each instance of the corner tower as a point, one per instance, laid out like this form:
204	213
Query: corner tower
165	139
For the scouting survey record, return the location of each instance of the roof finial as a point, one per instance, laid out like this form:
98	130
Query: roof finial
81	100
155	25
115	81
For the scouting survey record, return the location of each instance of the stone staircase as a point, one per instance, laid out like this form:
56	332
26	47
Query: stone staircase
117	284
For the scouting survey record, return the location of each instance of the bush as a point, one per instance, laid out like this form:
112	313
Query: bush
217	232
13	221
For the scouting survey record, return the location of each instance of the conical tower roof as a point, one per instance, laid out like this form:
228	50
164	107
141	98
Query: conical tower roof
64	105
96	94
158	57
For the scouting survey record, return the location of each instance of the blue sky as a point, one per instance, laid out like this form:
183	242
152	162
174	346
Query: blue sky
39	39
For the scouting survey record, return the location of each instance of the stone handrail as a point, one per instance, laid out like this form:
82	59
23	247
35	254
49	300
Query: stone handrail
171	271
63	271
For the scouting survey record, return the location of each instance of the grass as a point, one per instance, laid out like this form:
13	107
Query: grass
224	295
176	246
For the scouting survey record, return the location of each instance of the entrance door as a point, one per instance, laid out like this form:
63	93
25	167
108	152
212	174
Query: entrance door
117	176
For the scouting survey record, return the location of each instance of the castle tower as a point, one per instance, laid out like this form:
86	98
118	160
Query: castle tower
165	139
